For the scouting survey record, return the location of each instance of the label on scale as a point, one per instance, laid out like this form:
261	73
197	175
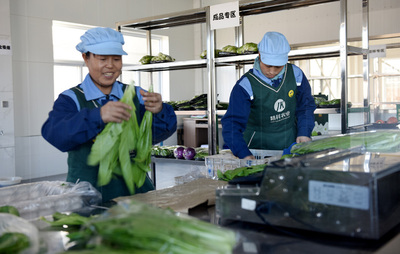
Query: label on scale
338	194
248	204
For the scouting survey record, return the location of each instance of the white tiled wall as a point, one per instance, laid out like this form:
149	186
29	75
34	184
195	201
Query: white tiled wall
7	144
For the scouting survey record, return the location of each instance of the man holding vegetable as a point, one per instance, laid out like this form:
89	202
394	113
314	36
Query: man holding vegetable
81	113
271	106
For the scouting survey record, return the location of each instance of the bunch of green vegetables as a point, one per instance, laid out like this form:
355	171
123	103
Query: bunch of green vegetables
249	47
201	153
146	59
161	57
135	227
124	148
203	54
238	172
13	233
229	49
163	151
13	242
372	141
9	209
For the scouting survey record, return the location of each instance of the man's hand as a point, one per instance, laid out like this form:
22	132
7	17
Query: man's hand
301	139
115	111
152	101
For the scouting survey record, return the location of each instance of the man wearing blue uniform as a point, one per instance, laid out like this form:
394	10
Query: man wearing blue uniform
79	114
271	106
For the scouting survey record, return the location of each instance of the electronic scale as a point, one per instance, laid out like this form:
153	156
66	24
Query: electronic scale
346	192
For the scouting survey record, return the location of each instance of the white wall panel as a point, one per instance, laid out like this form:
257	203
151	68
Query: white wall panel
6	120
7	159
40	87
19	38
6	84
5	17
39	41
35	158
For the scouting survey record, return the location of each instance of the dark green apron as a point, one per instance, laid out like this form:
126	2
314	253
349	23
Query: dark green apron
77	158
272	120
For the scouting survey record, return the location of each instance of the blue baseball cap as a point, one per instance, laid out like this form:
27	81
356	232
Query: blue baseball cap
274	49
102	41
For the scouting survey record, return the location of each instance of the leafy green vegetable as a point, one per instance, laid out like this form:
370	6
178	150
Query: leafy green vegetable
124	148
72	219
107	250
238	172
203	54
248	47
230	49
134	226
163	151
9	209
319	100
13	242
162	58
373	141
145	59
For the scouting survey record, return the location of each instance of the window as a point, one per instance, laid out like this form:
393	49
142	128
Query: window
324	76
70	70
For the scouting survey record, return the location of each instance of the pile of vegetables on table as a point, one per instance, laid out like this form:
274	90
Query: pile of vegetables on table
239	172
124	148
372	141
180	152
387	141
128	227
135	227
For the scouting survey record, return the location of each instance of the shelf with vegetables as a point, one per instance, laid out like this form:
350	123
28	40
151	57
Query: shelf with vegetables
299	54
248	8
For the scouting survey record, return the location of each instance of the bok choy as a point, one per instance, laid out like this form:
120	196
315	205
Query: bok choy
372	141
135	227
124	148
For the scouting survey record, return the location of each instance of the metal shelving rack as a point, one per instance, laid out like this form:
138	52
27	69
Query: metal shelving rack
247	8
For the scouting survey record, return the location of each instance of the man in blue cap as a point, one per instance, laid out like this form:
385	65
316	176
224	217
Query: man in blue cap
79	114
270	106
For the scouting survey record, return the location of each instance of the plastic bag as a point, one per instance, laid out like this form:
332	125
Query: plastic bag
15	224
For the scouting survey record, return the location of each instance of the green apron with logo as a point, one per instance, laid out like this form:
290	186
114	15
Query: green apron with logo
272	120
78	170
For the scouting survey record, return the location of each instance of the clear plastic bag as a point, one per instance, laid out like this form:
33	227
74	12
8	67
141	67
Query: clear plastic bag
33	200
14	224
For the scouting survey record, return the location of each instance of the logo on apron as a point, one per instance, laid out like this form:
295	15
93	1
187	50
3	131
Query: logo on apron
279	105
